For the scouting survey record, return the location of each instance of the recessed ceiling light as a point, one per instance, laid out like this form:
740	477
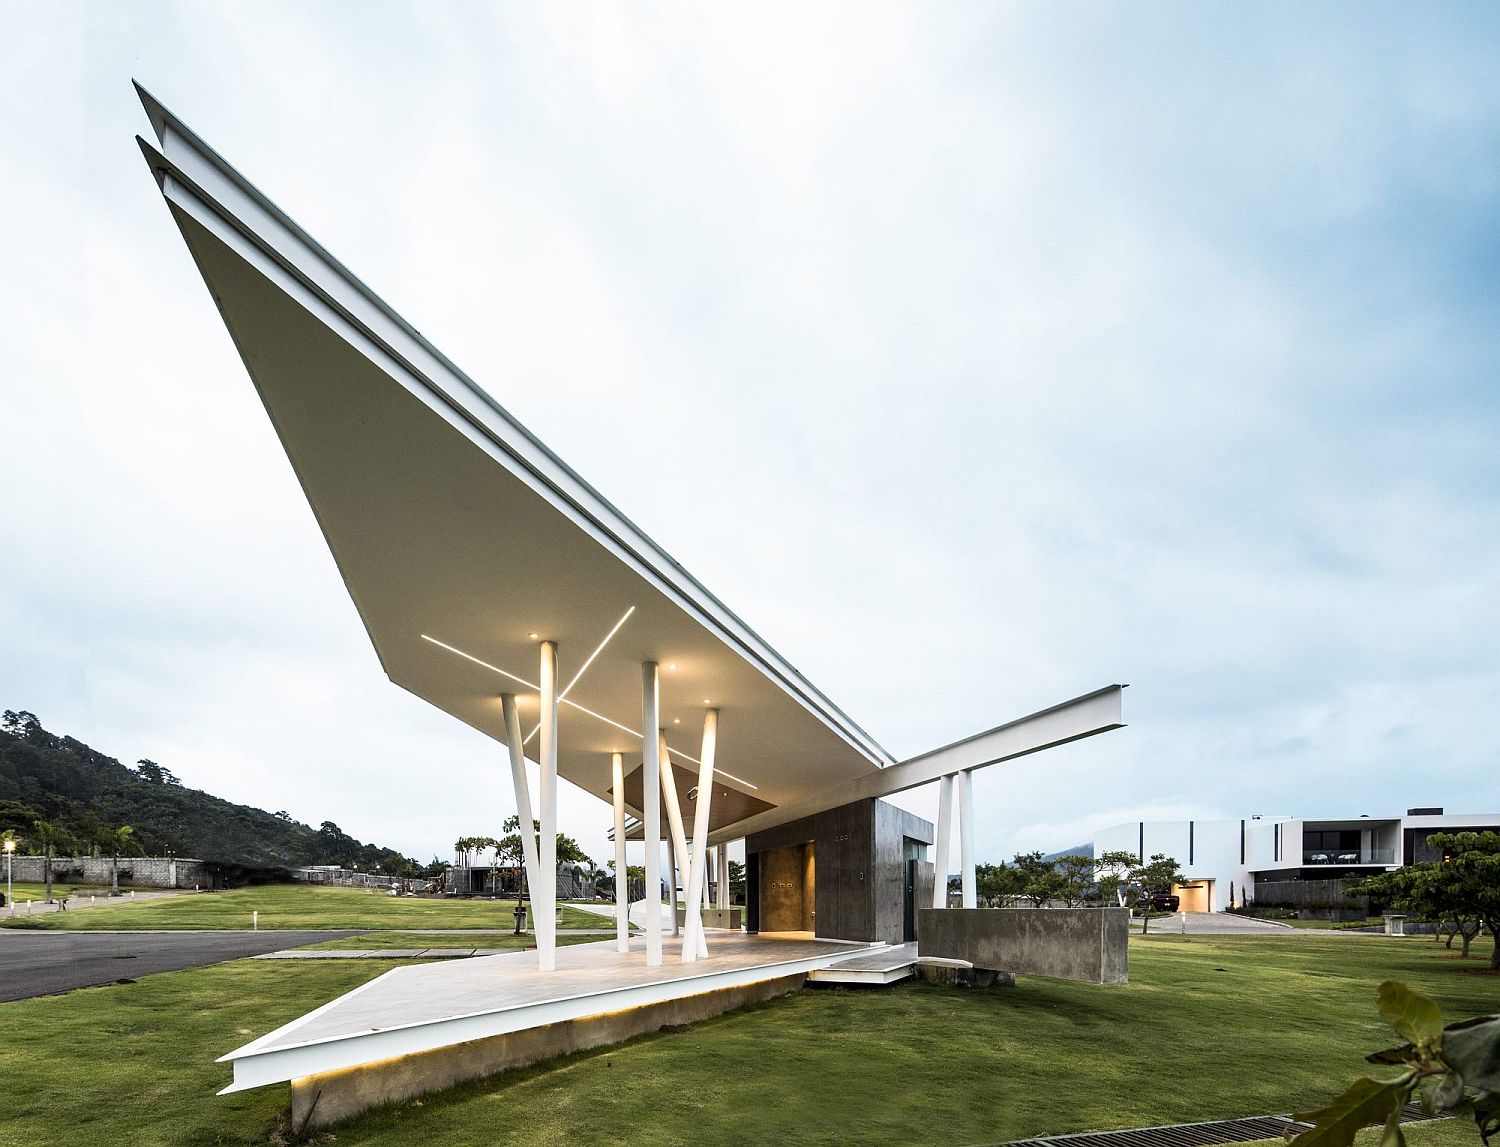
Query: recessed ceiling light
534	636
676	720
706	701
671	665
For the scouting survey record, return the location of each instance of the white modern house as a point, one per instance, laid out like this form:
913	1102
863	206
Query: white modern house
1240	859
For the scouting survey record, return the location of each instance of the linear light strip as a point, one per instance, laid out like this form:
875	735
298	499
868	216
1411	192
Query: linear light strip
563	696
574	704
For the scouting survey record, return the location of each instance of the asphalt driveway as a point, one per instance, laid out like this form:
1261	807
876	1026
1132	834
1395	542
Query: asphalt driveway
44	963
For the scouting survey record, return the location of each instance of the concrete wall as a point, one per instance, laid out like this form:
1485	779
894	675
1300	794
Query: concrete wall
321	1100
135	871
1087	944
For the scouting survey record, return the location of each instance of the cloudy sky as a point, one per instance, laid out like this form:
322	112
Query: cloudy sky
978	356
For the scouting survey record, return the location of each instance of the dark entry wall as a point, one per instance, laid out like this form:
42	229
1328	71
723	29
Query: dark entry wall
860	855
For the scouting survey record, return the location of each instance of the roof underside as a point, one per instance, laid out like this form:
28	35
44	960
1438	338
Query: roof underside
447	524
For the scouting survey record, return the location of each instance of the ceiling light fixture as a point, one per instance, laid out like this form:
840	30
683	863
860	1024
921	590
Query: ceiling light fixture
671	665
534	636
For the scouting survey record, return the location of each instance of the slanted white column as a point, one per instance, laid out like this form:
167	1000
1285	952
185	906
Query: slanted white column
724	875
517	748
695	940
622	878
944	845
651	806
546	885
680	853
672	866
966	836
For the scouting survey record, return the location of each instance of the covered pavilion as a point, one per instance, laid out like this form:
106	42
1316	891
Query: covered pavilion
499	586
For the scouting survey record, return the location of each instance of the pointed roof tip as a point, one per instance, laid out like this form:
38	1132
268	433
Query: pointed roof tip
155	160
156	111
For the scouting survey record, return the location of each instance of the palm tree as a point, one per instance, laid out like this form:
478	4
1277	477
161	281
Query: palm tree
120	840
49	834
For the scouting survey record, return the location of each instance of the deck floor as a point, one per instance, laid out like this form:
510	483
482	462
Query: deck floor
429	1005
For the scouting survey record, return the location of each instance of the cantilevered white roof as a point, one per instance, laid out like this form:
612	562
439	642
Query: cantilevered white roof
460	536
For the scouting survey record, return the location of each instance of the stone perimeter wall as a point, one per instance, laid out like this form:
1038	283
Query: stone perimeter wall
1086	944
135	871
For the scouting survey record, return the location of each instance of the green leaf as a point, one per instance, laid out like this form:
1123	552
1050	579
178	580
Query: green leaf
1409	1012
1472	1049
1366	1102
1393	1136
1403	1054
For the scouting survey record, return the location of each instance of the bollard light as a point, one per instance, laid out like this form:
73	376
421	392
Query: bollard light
255	921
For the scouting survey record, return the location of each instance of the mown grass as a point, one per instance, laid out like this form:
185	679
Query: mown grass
1210	1027
293	906
22	892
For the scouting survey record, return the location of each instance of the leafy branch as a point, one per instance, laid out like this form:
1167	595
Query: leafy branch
1452	1070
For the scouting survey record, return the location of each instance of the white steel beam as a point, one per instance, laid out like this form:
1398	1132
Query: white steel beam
1095	712
966	837
546	922
622	876
698	862
944	847
651	813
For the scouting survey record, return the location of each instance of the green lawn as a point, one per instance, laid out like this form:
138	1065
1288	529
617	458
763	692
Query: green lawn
23	892
295	906
444	940
1209	1027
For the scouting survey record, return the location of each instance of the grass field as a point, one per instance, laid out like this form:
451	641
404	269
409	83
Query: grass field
23	892
1209	1027
294	906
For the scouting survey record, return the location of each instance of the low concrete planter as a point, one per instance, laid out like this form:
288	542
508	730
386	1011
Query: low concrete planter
1086	944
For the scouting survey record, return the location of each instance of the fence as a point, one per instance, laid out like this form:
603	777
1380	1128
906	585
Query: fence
135	871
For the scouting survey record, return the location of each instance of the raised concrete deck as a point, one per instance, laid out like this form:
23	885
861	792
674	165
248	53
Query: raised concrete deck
888	965
426	1007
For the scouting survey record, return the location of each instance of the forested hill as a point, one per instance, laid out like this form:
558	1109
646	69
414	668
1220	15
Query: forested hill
85	797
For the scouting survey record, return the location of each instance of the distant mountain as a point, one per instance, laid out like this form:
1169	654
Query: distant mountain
1076	850
87	795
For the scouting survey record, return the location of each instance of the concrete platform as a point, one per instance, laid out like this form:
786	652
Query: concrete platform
888	965
425	1008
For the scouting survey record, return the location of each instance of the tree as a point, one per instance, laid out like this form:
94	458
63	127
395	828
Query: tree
1075	879
998	884
1463	887
1038	877
49	835
121	840
1155	878
736	879
1114	869
151	771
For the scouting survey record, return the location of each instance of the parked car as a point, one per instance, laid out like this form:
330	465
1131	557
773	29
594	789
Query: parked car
1159	902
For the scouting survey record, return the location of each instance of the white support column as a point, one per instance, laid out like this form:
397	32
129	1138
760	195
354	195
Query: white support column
546	923
966	836
517	748
679	836
622	877
698	863
672	865
651	806
724	875
944	846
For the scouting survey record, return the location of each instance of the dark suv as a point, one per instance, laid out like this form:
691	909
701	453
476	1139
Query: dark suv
1159	902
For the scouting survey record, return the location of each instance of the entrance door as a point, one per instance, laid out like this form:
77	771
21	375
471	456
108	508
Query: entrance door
788	894
919	878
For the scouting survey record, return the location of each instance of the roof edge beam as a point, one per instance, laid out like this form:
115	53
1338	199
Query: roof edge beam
1086	716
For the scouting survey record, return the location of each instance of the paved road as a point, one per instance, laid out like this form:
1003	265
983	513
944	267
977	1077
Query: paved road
44	963
82	900
1214	924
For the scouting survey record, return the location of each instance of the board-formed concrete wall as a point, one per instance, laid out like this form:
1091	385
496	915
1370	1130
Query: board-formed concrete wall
1087	944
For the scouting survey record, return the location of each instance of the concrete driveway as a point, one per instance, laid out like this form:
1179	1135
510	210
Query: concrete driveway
44	963
1213	924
